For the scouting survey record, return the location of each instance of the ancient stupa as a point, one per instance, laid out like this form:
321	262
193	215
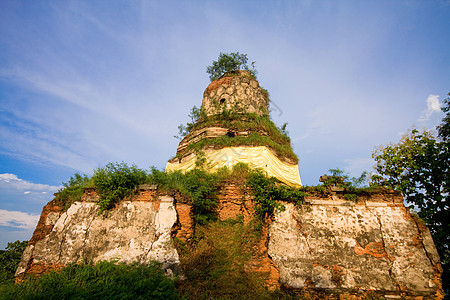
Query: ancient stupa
325	247
234	126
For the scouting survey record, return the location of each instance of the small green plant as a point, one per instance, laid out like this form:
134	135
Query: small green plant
266	93
73	190
344	180
195	114
268	192
284	130
351	197
116	181
229	63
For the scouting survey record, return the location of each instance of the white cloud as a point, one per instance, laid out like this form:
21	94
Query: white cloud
18	220
433	106
16	225
12	182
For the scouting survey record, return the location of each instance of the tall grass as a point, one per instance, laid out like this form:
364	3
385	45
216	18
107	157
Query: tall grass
104	280
215	264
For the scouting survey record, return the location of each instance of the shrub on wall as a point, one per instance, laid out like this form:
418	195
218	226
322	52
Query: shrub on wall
116	181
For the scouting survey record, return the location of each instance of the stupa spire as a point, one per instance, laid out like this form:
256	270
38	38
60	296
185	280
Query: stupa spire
234	126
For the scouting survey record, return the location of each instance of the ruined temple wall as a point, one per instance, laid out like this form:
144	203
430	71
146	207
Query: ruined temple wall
139	229
339	246
325	247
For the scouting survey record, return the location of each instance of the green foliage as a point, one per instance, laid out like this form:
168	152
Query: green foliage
284	130
344	180
104	280
201	187
266	93
351	197
10	259
116	181
351	187
215	264
268	192
418	166
194	115
239	171
229	63
73	190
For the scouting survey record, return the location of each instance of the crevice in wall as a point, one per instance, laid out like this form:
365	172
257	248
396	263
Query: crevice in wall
420	239
63	237
389	259
86	234
436	266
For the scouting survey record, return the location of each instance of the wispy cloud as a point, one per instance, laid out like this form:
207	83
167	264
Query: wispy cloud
11	181
18	220
16	225
433	106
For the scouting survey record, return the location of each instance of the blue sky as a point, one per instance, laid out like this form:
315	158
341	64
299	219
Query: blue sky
84	83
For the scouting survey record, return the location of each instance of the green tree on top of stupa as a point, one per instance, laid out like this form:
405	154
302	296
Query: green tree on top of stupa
230	63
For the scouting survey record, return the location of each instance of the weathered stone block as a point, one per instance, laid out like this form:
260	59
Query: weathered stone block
132	232
341	247
232	92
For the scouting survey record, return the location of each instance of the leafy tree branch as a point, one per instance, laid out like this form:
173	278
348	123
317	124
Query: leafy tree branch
229	63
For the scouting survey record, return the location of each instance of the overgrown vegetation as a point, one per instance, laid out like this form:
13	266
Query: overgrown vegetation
201	187
230	63
73	190
262	132
268	192
104	280
347	181
216	264
246	121
10	259
194	115
352	188
116	181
